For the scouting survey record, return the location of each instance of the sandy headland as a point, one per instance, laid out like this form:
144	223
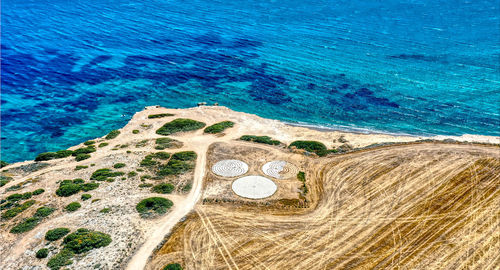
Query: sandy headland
347	200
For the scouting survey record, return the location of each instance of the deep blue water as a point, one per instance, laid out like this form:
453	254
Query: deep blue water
73	70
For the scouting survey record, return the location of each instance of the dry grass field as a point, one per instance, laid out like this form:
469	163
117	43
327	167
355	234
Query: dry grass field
417	206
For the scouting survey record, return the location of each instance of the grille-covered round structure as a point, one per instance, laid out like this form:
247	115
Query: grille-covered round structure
230	168
254	187
280	169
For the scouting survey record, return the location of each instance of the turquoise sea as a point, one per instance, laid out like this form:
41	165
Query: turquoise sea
74	70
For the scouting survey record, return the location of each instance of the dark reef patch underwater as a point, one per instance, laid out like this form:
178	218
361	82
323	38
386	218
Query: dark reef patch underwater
72	72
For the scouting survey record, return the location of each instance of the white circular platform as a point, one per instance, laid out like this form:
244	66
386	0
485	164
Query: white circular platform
280	169
254	187
230	168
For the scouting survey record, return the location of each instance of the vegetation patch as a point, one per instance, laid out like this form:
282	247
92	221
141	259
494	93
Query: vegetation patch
154	205
160	115
172	266
105	210
142	143
131	174
184	156
53	155
179	163
302	178
311	146
84	150
44	211
68	188
72	206
112	134
84	240
105	175
3	163
179	125
164	143
89	143
260	139
89	186
86	197
61	259
119	165
8	214
56	234
80	167
163	188
4	180
30	223
38	191
149	162
145	185
103	144
42	253
81	157
218	127
135	131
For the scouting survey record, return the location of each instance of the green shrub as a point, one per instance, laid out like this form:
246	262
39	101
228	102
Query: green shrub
15	197
26	225
84	150
142	143
174	167
89	143
163	188
179	125
56	234
89	186
67	189
162	143
53	155
260	139
86	197
73	206
84	240
61	259
44	211
145	185
81	157
78	181
311	146
218	127
80	167
17	210
135	131
27	195
131	174
153	205
42	253
301	176
172	266
152	116
112	134
7	205
184	156
105	175
149	162
187	187
105	210
38	191
3	163
103	144
119	165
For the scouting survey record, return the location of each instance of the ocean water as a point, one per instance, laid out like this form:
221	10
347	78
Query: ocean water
74	70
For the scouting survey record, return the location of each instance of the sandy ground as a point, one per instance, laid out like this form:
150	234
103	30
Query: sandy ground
130	233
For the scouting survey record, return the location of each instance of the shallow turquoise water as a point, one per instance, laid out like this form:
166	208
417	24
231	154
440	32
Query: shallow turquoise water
72	71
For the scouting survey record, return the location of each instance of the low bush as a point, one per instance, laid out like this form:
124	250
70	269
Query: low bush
187	187
145	185
26	225
174	167
160	115
56	234
3	163
119	165
112	134
72	206
86	197
142	143
135	131
103	144
163	188
260	139
89	186
172	266
84	150
81	157
44	211
153	205
67	189
84	240
301	176
89	143
80	167
163	143
149	162
15	197
131	174
42	253
105	210
17	210
311	146
218	127
105	175
179	125
61	259
38	191
78	181
184	156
